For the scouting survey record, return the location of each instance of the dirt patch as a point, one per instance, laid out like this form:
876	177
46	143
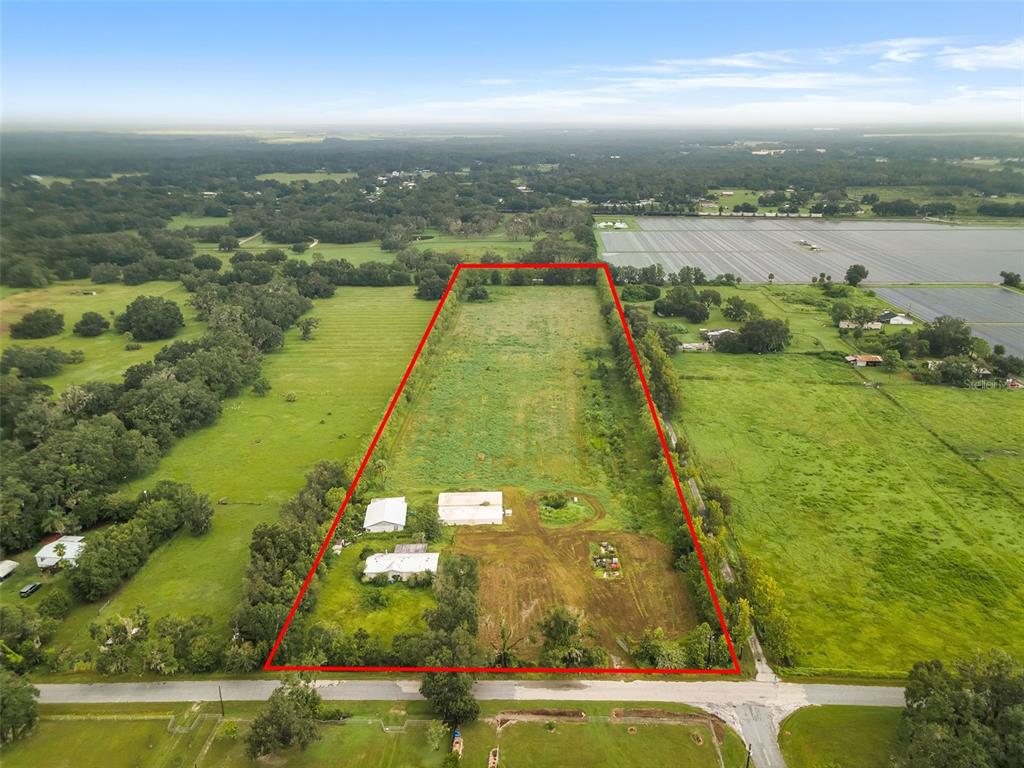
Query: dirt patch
656	714
526	568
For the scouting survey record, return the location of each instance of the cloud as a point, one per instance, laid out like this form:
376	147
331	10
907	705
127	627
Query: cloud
791	81
1009	56
495	81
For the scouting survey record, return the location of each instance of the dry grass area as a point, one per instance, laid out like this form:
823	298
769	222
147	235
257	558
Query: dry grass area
527	568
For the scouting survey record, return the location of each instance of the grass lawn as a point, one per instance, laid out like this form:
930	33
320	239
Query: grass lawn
49	181
183	220
258	452
572	513
893	530
847	737
105	356
340	599
136	736
313	176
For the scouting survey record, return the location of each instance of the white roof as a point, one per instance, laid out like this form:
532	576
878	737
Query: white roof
390	562
470	514
72	546
471	499
392	510
7	567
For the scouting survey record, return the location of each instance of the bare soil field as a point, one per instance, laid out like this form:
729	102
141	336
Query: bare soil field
893	252
527	568
996	314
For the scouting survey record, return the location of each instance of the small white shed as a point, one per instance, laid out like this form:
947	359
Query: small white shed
386	515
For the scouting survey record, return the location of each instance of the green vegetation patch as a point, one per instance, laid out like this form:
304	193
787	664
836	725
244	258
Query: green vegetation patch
846	737
105	355
257	453
892	530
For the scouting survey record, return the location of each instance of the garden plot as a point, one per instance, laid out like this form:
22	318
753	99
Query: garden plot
995	314
752	248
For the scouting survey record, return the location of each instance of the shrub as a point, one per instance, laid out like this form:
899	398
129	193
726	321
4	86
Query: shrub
91	324
38	324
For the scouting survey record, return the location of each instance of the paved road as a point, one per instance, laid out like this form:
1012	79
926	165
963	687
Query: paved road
754	708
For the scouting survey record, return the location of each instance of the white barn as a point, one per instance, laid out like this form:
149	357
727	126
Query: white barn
386	515
474	508
47	557
397	565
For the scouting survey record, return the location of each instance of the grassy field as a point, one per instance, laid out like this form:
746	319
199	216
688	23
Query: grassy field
892	528
136	736
846	737
257	453
966	203
105	355
312	176
183	220
49	181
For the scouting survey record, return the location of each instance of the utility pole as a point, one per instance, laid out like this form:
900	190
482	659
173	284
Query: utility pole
220	695
748	756
711	638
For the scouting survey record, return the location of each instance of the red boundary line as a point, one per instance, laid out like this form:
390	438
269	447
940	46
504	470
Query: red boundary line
268	666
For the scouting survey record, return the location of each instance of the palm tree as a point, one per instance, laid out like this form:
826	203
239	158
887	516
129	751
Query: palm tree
54	521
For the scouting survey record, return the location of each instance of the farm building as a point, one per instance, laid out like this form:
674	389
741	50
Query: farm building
397	565
7	567
386	515
876	326
409	549
894	318
700	346
864	361
474	508
713	336
48	557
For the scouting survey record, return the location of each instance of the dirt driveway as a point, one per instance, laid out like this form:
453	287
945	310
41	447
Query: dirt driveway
526	568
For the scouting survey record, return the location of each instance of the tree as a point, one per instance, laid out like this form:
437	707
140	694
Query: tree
970	715
764	335
105	273
771	278
207	261
451	696
307	325
840	311
38	324
891	361
227	243
91	324
431	287
567	642
735	308
289	718
1011	279
149	318
477	293
947	336
856	274
18	710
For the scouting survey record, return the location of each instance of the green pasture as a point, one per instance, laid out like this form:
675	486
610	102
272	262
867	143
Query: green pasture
105	355
183	220
257	453
892	528
137	736
965	202
844	737
49	181
340	600
311	176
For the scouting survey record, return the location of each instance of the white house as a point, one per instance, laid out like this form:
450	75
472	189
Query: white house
7	567
386	515
47	557
396	565
475	508
901	320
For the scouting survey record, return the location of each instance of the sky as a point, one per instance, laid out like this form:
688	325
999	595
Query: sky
294	66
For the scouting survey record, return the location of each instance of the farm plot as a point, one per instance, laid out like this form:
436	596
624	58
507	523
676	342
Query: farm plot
258	452
526	567
996	314
509	403
893	531
752	248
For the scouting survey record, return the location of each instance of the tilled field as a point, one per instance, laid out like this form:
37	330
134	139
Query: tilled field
527	568
752	248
